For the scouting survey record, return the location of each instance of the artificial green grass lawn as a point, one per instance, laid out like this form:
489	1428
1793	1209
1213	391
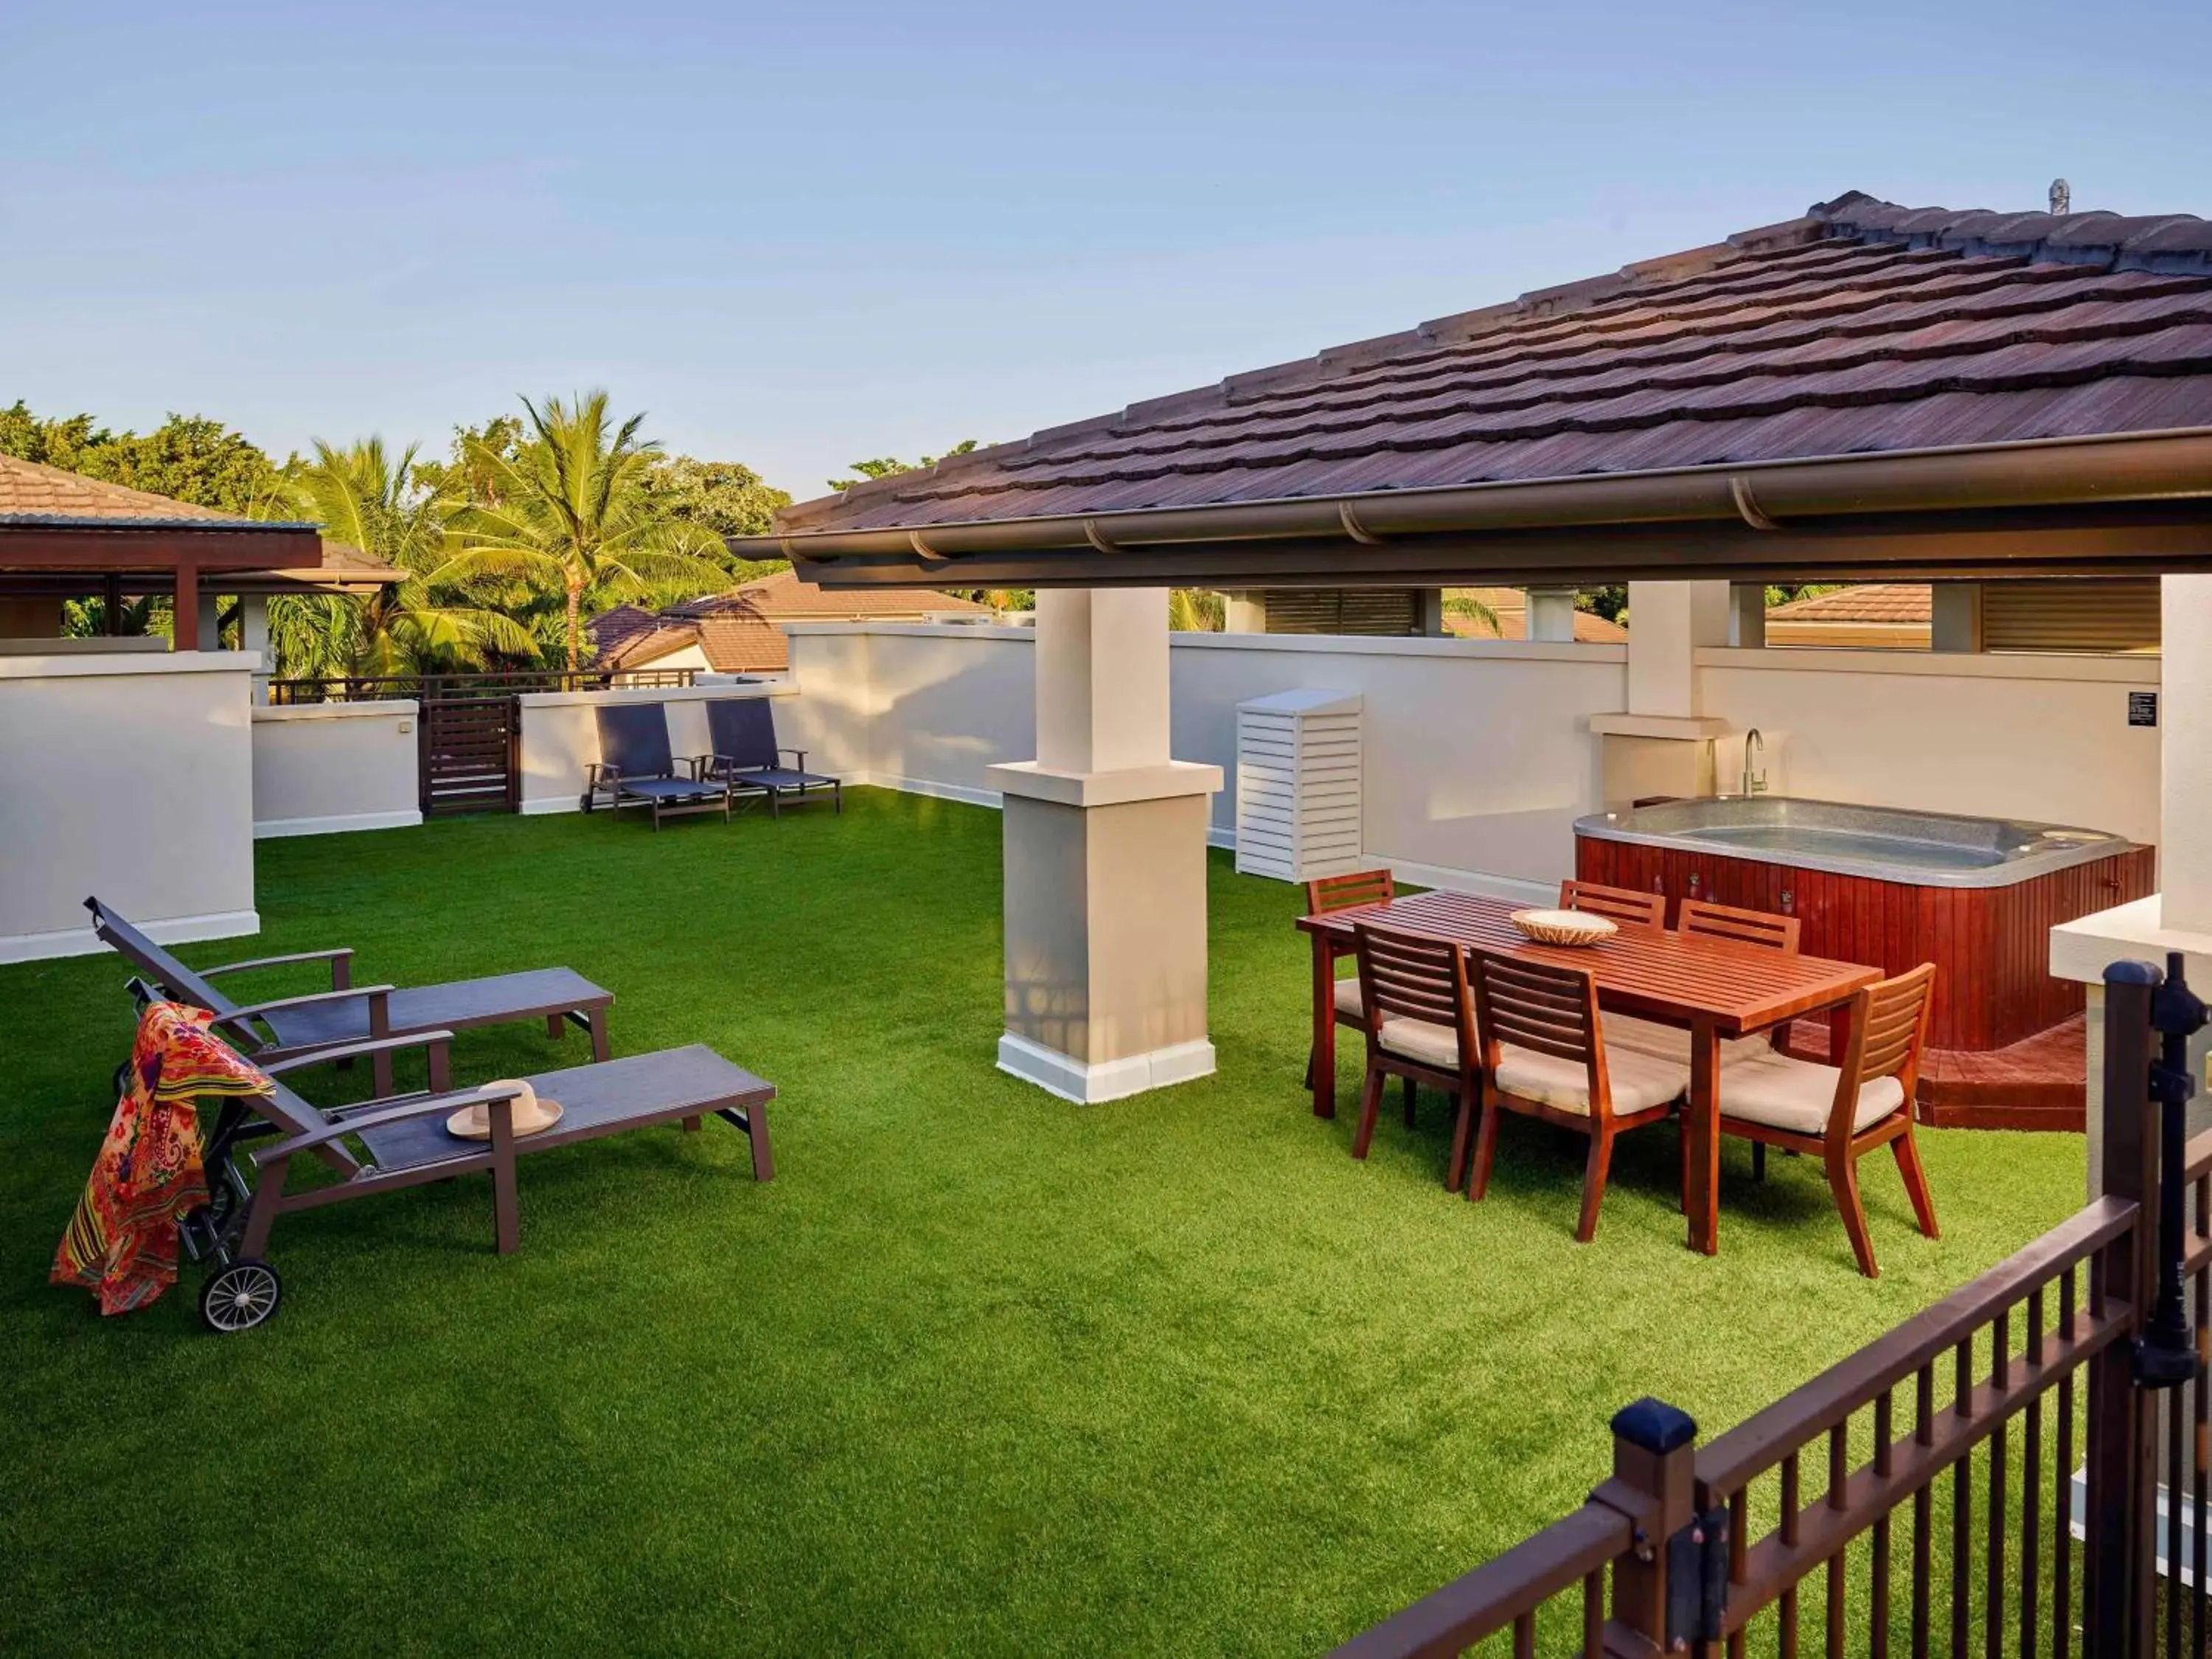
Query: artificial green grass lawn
979	1371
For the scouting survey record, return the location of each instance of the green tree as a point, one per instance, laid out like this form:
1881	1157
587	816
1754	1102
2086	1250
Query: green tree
571	511
188	457
1196	611
727	497
1610	603
1462	602
884	467
364	498
463	477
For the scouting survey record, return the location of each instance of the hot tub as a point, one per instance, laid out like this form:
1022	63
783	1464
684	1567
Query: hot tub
1975	896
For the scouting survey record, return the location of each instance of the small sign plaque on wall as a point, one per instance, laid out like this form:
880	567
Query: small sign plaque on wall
2143	709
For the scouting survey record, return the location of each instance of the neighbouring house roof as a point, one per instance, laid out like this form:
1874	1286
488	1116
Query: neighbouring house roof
31	493
1510	606
1861	602
54	522
785	597
1764	379
741	632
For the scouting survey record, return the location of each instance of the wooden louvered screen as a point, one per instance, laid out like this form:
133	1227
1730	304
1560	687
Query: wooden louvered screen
1344	611
1297	784
2071	615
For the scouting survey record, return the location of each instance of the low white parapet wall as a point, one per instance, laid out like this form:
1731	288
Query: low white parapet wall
1476	753
561	733
323	768
129	775
2044	738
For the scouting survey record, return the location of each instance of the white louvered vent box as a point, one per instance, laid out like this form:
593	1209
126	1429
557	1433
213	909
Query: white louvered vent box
1297	784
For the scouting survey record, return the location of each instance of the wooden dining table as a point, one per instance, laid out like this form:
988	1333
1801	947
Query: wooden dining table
1711	987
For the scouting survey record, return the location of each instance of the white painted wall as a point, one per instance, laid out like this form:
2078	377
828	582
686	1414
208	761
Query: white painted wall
320	767
561	734
2030	736
914	706
129	775
1478	754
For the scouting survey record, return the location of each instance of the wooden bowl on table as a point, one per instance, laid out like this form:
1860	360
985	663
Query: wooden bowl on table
1572	927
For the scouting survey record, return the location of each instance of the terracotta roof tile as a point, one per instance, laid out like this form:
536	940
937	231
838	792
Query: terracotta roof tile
741	631
783	597
1862	602
1863	326
1511	606
33	494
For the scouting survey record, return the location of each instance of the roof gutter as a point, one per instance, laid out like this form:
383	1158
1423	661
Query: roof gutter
2081	475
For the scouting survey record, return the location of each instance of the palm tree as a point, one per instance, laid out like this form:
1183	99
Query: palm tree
572	512
365	499
1196	611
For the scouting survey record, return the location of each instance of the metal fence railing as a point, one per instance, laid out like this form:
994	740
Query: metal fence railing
374	688
1915	1484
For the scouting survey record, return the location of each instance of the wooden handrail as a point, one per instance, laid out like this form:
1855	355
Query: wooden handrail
1774	1563
1729	1461
1485	1601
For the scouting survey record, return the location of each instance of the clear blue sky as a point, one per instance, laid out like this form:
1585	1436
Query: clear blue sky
797	234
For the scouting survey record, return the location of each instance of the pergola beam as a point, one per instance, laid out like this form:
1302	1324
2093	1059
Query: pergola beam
98	545
2142	538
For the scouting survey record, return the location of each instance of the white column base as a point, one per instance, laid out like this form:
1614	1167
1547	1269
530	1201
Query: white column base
1087	1084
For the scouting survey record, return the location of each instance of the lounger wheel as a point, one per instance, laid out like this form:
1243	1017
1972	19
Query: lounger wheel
239	1297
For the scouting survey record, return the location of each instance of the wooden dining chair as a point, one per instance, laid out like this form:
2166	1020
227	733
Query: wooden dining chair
1710	920
1419	1015
1839	1114
1703	918
1346	892
1615	903
1545	1055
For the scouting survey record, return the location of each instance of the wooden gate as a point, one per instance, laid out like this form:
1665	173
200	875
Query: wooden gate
469	730
469	748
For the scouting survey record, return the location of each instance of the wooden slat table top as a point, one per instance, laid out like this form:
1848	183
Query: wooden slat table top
1640	970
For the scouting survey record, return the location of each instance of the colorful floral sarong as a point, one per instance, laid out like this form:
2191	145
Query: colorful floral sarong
122	1240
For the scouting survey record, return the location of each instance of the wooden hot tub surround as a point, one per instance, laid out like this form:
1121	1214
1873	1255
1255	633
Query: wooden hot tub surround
1991	946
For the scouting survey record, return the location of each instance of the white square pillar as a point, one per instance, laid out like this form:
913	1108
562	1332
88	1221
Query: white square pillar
253	638
1747	628
1668	622
1552	614
2185	752
1105	861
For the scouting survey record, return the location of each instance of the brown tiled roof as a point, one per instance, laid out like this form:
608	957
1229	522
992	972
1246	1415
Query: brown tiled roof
1510	606
32	493
1861	327
1861	602
741	631
783	597
629	636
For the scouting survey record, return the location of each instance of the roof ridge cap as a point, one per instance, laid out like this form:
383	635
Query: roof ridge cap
2178	242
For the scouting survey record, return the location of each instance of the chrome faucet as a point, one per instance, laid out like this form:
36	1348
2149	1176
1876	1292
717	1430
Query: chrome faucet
1755	750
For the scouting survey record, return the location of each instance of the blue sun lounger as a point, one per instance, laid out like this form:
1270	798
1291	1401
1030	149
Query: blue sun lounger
635	768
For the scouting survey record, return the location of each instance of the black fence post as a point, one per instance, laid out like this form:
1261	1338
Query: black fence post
1660	1587
2121	1455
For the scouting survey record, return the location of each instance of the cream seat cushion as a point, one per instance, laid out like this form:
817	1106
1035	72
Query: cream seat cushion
1422	1040
1648	1036
1797	1095
1639	1080
1347	998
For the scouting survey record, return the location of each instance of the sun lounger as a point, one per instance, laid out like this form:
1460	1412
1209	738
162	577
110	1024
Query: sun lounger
349	1013
745	756
381	1145
636	767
